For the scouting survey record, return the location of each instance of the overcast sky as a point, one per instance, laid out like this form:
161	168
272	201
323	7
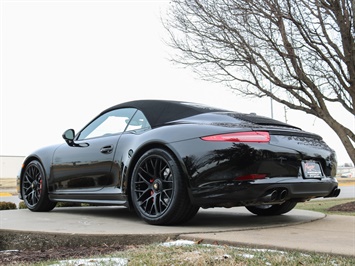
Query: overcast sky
63	62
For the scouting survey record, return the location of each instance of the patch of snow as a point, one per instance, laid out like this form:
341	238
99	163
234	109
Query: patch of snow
224	257
178	243
9	251
269	250
93	262
247	256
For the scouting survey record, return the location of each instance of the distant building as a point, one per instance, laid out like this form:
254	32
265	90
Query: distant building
10	165
345	171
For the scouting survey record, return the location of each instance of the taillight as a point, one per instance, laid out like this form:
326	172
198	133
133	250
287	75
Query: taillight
251	136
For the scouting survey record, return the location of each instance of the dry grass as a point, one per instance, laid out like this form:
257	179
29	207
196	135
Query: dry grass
199	254
324	206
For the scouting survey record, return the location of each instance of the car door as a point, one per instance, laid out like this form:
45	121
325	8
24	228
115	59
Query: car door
87	165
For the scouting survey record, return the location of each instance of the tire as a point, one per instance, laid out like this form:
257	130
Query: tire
190	213
269	210
158	190
34	188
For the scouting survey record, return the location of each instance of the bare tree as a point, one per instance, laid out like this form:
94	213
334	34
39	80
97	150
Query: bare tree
300	53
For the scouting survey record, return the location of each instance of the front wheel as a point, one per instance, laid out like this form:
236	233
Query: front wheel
269	210
158	190
34	188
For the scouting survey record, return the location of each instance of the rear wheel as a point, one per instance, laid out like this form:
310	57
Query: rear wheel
34	188
158	190
268	210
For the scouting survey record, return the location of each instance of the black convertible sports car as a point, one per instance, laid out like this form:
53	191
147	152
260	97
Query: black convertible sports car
166	159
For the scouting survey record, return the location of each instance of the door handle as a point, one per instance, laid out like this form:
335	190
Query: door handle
106	149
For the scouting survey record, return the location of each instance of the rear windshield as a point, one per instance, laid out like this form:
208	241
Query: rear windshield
259	120
236	119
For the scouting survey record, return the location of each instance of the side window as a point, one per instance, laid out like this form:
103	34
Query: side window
110	123
139	121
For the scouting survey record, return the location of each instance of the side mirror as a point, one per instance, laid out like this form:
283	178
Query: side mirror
69	136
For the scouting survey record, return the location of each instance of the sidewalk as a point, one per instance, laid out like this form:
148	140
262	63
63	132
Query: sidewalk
335	234
298	230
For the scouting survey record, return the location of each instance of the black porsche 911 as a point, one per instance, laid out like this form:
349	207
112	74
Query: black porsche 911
166	159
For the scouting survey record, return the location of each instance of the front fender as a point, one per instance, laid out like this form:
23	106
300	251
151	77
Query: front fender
44	156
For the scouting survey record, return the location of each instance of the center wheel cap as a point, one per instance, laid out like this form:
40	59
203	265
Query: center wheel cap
157	185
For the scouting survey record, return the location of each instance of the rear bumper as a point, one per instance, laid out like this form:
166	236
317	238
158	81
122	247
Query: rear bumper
267	191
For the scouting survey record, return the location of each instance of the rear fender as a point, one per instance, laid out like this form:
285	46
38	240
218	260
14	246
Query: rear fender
127	169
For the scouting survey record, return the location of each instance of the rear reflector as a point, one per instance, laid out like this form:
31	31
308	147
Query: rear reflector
251	177
252	136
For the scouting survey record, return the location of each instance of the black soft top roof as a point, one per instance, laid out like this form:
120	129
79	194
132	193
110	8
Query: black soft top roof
159	112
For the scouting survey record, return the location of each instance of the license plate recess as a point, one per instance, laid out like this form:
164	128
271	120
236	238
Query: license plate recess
312	169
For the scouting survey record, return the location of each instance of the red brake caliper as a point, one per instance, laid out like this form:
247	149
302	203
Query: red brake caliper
40	187
152	192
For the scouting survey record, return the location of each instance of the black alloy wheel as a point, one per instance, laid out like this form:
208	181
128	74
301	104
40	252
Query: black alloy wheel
34	188
269	210
158	190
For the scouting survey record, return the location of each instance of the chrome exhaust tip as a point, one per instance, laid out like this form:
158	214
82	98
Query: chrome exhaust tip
334	193
270	197
283	194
